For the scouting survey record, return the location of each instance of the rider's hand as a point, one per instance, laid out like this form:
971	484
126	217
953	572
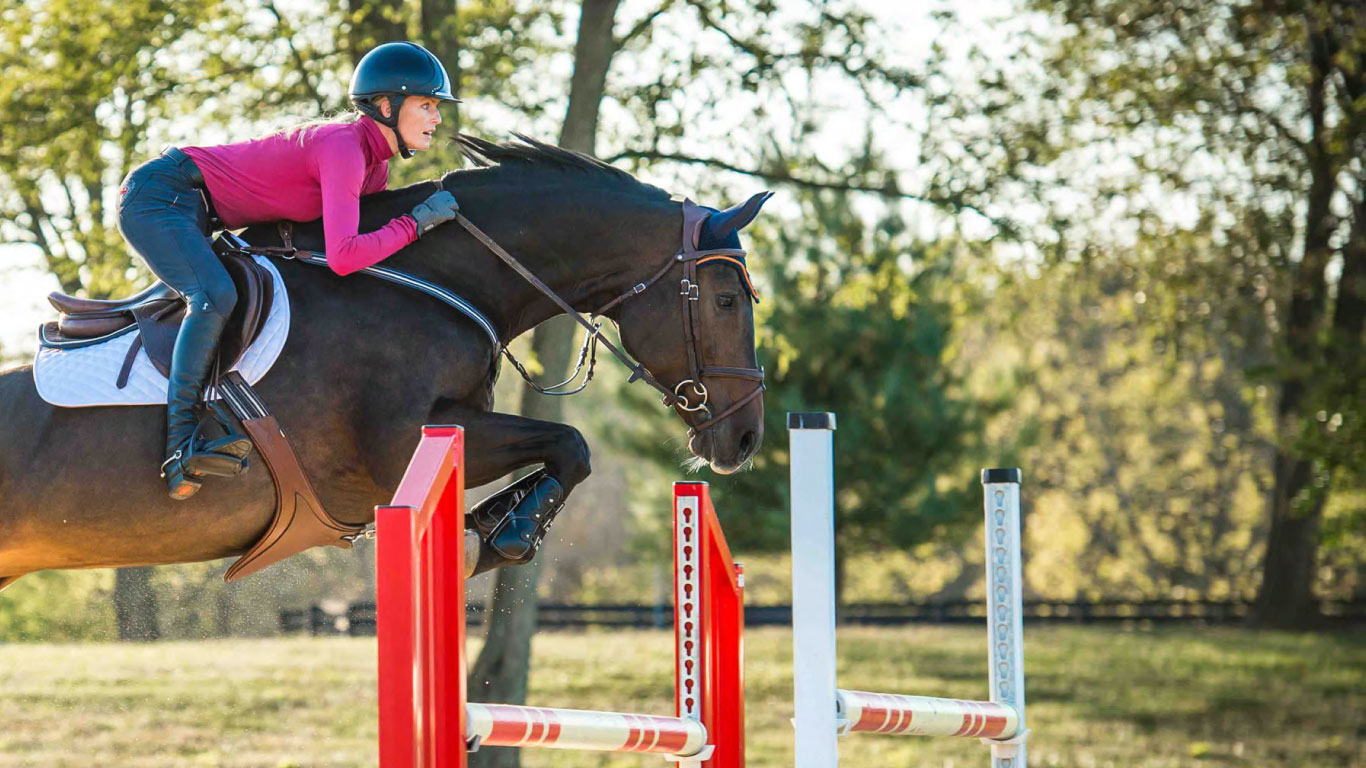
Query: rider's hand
437	209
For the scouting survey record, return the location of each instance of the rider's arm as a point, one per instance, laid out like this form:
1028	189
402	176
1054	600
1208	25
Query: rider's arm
341	173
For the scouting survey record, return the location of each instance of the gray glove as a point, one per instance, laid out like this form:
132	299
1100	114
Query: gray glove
437	209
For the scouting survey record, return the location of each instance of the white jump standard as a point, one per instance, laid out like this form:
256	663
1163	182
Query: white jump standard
823	711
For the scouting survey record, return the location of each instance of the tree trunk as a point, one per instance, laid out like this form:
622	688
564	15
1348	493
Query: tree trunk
225	605
374	23
135	605
441	36
501	672
593	53
1286	597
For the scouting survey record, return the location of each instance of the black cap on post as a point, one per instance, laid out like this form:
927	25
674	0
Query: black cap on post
811	420
1012	475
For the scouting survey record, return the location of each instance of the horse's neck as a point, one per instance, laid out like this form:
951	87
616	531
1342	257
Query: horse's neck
587	263
587	253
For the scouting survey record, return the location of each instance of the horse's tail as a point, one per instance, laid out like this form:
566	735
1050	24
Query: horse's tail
5	581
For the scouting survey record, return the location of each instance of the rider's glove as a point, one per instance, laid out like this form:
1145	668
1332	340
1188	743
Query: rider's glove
437	209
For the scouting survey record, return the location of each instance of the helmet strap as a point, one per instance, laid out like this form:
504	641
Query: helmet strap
369	108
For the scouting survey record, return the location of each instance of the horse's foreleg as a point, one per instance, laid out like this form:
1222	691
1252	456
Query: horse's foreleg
499	443
513	521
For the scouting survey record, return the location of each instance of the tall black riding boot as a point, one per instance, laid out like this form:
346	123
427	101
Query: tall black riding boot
188	457
514	521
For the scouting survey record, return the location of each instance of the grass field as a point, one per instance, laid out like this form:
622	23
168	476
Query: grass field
1096	698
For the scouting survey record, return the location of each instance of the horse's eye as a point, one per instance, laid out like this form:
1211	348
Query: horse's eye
725	300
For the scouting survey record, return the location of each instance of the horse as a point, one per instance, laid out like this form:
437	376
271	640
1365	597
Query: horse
368	362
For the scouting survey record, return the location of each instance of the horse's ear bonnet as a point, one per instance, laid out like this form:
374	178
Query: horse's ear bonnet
722	230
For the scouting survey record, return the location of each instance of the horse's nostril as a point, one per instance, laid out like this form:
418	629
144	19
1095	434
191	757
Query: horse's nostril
747	443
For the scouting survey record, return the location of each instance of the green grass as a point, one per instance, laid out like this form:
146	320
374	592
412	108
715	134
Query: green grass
1096	698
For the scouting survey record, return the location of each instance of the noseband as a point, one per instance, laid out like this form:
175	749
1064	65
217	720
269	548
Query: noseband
689	395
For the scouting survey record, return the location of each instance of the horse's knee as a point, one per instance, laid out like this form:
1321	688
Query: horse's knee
572	462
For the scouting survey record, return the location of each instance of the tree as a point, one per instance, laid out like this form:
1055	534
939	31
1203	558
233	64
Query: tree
85	103
1253	115
504	662
135	609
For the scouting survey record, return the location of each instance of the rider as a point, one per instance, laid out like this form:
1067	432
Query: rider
167	208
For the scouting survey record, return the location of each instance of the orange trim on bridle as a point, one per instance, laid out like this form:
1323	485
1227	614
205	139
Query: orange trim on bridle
740	265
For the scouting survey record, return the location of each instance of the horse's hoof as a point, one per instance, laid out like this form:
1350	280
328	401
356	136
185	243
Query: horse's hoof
488	560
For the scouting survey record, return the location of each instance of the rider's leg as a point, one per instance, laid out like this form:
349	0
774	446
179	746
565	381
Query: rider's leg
195	349
162	215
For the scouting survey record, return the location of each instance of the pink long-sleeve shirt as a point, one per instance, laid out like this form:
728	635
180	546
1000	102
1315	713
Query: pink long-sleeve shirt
321	170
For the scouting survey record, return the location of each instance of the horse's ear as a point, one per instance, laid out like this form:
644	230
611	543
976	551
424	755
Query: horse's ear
720	225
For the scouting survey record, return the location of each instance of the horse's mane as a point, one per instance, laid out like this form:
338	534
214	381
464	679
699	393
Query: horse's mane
527	163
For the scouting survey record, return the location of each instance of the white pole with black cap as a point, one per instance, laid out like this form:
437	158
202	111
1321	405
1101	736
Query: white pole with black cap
813	588
1005	606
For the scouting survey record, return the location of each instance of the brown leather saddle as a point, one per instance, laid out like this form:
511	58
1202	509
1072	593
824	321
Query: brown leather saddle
155	315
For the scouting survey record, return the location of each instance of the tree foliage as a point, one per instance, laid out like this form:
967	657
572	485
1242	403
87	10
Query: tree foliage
1216	148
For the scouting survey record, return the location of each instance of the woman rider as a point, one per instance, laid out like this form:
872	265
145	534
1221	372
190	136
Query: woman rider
322	170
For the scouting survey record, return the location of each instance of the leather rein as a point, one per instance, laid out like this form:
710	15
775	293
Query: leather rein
689	395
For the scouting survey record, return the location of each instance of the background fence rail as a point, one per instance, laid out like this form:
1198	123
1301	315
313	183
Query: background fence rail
359	618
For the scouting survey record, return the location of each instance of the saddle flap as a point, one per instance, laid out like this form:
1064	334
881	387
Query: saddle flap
255	288
158	315
158	326
114	369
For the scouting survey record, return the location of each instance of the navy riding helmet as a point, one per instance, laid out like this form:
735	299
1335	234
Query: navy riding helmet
398	70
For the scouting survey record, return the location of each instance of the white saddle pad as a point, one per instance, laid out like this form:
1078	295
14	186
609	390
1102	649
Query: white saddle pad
87	376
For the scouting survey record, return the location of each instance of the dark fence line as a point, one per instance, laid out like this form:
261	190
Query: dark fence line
359	619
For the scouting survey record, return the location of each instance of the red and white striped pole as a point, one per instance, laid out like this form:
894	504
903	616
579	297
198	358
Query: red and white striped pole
823	711
508	725
425	721
924	715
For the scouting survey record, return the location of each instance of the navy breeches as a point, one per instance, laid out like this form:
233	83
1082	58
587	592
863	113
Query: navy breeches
164	215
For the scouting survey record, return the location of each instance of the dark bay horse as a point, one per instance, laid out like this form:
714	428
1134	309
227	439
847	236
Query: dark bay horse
368	362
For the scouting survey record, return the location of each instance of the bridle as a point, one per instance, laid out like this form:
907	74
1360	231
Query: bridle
689	395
